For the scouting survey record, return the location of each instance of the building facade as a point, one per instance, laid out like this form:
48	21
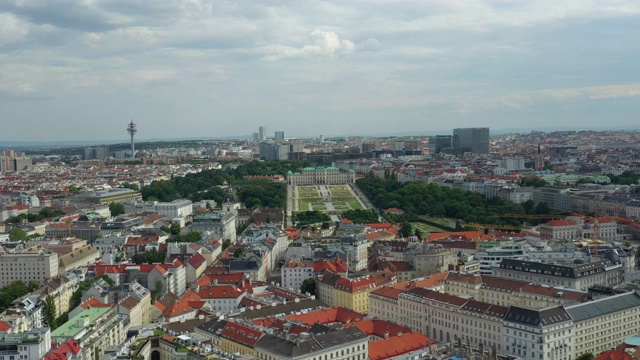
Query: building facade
321	176
32	264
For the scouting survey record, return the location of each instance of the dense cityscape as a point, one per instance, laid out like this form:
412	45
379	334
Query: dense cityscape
469	245
319	180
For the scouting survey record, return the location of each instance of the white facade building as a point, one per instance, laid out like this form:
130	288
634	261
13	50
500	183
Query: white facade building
545	334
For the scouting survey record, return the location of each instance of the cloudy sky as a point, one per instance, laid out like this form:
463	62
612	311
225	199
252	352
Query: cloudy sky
81	69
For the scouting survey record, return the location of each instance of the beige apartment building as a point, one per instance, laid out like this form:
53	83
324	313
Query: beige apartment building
604	324
33	264
449	318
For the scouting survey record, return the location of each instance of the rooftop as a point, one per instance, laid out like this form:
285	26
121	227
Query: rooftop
79	322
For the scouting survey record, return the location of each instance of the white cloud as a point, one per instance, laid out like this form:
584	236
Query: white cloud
323	44
12	29
399	58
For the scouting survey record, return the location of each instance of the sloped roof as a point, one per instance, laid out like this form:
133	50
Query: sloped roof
531	317
319	342
241	334
397	345
604	306
327	316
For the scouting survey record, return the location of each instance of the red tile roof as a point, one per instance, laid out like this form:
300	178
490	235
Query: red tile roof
560	223
220	278
618	354
220	292
63	351
197	260
4	326
241	334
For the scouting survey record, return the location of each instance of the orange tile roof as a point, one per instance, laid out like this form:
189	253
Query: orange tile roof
397	345
183	305
93	302
469	235
393	291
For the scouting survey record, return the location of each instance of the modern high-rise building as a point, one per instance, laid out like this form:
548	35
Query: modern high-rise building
270	151
100	153
279	135
262	132
441	142
475	140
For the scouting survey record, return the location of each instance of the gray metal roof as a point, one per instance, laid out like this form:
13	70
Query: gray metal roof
531	317
604	306
316	343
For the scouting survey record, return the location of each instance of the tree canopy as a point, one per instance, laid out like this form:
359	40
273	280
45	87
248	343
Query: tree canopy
310	217
360	216
308	286
626	178
207	185
116	209
17	234
419	198
15	290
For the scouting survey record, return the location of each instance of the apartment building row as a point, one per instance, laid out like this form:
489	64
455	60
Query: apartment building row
528	332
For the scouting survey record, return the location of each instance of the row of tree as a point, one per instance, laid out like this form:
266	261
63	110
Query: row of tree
207	185
303	218
42	214
360	216
419	198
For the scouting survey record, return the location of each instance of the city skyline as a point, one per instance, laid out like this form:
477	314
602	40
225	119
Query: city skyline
204	69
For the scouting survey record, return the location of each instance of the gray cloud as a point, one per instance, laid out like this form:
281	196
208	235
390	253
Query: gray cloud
310	67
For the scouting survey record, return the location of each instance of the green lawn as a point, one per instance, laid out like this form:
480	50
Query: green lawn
426	228
303	204
355	205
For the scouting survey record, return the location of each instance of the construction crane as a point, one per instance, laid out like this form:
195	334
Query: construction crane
533	216
493	226
596	235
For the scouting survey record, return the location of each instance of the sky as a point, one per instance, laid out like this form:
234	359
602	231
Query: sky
82	69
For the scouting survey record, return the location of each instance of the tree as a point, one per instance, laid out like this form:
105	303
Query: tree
158	289
18	234
131	186
308	286
116	209
33	285
237	252
73	188
194	236
49	312
174	229
406	230
154	256
225	244
138	258
585	356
